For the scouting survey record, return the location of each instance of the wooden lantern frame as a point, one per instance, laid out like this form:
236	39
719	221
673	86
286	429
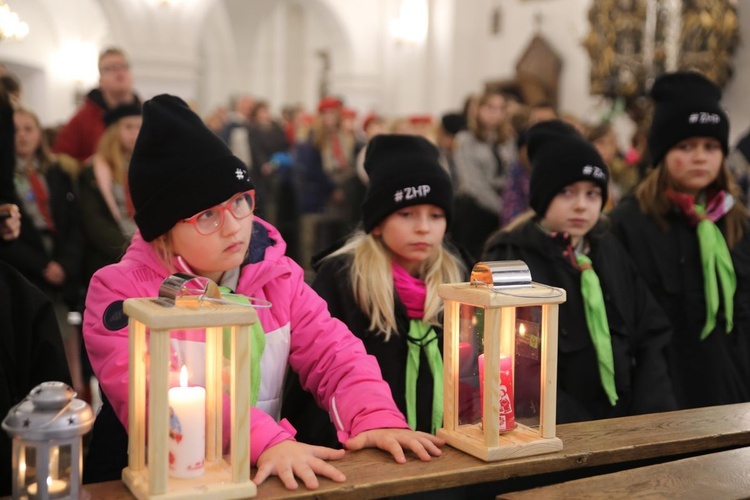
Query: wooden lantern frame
222	479
484	440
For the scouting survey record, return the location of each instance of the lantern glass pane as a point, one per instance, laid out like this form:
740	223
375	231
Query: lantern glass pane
470	335
27	465
58	476
528	367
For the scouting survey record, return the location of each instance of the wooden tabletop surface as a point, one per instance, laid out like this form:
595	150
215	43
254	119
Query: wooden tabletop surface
722	475
373	474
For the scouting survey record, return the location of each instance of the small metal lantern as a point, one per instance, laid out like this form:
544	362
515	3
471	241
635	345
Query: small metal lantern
500	356
46	428
182	306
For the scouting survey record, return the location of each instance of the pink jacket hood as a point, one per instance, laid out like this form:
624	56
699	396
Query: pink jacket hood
331	362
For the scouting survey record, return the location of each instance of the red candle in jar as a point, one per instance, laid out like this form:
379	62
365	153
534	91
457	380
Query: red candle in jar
507	414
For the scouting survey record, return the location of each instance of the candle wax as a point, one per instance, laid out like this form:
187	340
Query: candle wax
507	413
187	430
53	486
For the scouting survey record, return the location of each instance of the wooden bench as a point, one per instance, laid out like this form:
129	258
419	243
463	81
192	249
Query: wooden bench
723	475
589	448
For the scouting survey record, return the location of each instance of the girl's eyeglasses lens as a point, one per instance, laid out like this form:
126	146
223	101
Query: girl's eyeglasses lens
209	221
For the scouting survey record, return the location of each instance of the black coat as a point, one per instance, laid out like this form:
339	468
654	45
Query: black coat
333	284
639	328
28	253
714	371
103	240
31	351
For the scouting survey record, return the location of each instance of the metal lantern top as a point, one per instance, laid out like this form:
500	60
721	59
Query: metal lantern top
501	284
502	274
50	411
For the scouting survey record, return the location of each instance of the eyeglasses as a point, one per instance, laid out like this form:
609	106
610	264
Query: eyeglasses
115	67
209	221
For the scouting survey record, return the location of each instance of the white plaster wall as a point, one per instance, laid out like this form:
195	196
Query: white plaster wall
39	59
480	56
207	50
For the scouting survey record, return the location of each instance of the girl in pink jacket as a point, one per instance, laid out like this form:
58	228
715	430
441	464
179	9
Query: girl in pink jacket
194	210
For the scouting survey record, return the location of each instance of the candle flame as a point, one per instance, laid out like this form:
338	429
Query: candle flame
522	329
183	376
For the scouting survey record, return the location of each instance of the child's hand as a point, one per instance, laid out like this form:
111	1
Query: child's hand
424	445
290	458
10	221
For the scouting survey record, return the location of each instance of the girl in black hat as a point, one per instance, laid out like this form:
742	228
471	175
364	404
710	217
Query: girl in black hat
688	235
382	283
612	333
194	204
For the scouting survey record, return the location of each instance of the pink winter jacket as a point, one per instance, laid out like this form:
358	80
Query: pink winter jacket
331	362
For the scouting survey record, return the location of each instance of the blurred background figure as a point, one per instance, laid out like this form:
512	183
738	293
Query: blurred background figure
80	136
48	249
105	200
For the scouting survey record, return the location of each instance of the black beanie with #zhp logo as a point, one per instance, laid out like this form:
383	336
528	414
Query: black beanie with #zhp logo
404	170
560	156
686	104
179	167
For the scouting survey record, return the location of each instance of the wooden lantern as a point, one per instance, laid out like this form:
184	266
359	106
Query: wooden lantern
484	340
222	478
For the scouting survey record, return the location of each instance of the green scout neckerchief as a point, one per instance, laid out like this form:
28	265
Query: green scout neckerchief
716	260
421	337
596	320
257	344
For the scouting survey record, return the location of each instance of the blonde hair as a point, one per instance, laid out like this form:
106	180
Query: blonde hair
110	150
372	280
652	202
164	248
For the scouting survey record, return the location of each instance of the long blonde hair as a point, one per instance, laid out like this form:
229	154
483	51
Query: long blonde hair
652	202
110	150
372	280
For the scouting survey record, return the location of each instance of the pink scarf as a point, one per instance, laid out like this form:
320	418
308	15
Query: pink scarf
411	291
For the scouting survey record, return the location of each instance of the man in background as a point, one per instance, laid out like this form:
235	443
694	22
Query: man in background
80	136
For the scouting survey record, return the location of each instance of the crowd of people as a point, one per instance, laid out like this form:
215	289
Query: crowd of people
347	225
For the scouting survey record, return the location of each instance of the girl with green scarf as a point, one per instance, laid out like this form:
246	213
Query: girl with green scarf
382	282
686	230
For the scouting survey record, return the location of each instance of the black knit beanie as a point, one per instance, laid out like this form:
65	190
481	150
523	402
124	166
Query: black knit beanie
404	170
686	104
560	156
179	167
115	114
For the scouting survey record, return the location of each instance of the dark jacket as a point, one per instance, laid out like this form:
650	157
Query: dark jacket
714	371
639	328
333	284
103	240
28	253
314	185
31	351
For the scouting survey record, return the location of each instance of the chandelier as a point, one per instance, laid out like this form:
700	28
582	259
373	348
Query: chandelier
10	25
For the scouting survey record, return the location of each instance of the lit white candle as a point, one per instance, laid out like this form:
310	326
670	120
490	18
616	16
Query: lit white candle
187	429
54	486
